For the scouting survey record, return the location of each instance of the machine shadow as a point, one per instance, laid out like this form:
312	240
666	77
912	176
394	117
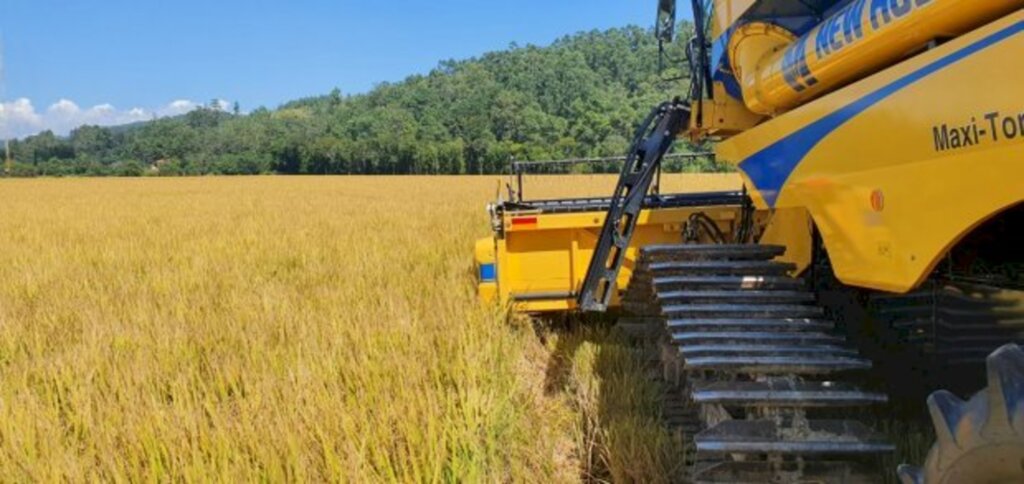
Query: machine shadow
615	388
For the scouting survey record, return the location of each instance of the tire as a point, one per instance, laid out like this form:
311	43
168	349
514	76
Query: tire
980	440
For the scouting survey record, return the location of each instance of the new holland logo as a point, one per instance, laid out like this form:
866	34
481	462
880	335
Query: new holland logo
841	30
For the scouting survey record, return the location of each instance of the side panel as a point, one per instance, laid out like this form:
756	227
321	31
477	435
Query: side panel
543	259
896	168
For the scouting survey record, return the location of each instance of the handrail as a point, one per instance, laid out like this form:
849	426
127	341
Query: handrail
519	168
609	159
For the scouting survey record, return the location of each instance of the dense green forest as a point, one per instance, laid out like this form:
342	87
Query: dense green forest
582	96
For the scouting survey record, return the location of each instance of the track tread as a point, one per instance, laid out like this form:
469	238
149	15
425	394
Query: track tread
754	268
766	437
741	334
784	393
776	325
760	296
728	282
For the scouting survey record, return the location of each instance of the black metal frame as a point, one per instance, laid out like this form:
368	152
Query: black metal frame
579	205
701	81
653	140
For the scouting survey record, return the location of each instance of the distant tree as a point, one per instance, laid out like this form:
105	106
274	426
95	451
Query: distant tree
581	96
92	142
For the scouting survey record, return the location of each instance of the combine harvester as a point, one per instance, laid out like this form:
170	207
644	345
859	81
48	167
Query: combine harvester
881	145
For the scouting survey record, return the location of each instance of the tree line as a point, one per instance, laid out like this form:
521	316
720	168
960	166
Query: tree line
580	97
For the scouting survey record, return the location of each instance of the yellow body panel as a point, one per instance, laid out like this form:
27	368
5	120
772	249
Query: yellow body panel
726	13
722	116
898	167
792	228
541	265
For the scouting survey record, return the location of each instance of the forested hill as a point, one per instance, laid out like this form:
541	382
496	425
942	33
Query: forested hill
581	96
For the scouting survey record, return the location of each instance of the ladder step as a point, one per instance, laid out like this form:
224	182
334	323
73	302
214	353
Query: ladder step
775	365
717	251
766	437
723	337
762	472
784	393
978	352
943	326
734	324
965	316
944	299
765	268
978	342
754	349
736	297
759	311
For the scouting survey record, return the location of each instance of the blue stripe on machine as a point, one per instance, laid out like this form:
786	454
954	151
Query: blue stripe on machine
719	47
769	168
487	273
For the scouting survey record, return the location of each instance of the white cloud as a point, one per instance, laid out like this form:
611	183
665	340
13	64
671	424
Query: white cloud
20	118
175	108
64	108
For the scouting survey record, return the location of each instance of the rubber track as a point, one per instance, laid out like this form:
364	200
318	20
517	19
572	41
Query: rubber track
754	357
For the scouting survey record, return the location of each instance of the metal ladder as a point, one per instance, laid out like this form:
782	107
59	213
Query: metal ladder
652	141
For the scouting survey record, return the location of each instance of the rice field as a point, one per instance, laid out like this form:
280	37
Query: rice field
296	329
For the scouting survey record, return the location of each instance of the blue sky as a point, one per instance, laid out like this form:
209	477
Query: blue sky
109	61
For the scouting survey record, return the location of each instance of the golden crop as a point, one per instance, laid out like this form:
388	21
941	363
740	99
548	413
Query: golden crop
307	329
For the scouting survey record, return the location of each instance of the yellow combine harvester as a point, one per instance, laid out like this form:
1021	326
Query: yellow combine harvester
881	144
